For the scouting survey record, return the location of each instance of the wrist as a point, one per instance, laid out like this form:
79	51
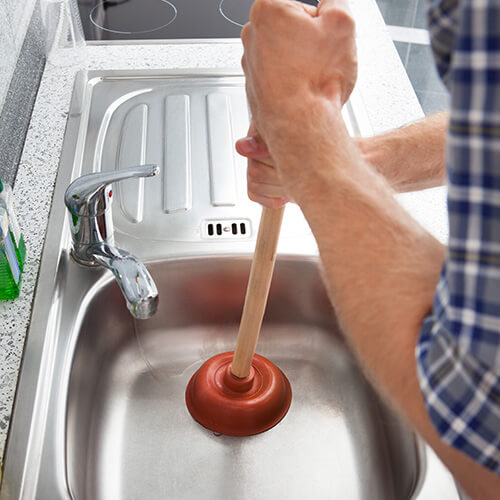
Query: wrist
385	153
289	118
349	198
310	149
411	157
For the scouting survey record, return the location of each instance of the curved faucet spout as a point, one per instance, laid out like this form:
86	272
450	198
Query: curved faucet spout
135	282
88	200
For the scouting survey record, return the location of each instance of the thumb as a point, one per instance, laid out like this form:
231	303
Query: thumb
252	146
328	5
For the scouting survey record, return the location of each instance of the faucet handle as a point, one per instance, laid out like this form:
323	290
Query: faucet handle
89	195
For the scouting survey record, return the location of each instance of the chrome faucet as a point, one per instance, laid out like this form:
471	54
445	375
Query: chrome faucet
88	200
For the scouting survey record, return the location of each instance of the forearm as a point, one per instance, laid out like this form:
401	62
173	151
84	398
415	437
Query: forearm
381	270
381	265
411	157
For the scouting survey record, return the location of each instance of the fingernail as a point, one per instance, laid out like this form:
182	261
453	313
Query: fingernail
248	144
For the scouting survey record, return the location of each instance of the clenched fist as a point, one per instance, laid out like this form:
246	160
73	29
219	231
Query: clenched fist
295	55
300	66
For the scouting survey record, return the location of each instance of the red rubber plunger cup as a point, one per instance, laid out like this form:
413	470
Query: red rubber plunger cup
235	406
242	393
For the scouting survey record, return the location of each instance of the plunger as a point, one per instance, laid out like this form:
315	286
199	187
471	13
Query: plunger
242	393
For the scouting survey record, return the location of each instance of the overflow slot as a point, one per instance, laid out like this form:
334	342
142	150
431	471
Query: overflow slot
226	229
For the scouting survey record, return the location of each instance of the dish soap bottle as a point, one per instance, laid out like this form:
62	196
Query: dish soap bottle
6	202
10	271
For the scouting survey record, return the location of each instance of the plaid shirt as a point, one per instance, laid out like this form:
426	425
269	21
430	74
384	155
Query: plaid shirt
458	351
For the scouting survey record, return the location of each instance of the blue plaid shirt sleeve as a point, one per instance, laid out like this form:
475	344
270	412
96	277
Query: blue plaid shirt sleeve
458	350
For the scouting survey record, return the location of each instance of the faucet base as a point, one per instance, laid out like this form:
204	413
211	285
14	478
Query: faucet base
82	262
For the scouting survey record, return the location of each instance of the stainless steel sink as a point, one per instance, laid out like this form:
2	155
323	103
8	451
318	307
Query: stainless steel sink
100	410
129	434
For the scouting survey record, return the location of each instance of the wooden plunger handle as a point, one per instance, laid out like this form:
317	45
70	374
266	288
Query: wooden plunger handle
259	282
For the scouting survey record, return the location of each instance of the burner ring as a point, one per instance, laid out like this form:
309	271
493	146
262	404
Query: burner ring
232	21
96	23
226	17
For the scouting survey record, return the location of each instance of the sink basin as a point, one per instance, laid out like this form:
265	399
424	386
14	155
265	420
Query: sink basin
129	434
108	420
100	412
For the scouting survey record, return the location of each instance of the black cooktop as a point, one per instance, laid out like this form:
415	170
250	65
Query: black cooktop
164	19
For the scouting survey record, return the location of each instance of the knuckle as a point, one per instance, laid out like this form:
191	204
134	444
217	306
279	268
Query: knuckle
252	196
260	10
252	186
245	33
256	11
339	20
254	173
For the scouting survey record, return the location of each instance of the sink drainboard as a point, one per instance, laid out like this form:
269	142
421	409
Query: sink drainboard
186	124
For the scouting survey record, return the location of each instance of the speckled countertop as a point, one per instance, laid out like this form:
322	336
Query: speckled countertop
387	93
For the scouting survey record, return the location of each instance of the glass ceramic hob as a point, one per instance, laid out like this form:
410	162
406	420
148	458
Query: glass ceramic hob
164	19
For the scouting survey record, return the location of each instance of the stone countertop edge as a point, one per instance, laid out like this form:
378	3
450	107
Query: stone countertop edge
384	86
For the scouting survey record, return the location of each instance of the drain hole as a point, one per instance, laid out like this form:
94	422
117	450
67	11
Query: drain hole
234	227
210	230
243	228
219	229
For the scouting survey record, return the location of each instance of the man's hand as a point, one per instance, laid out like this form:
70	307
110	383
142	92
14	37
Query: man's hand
263	183
410	158
294	55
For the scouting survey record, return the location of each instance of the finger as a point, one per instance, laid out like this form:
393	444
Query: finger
251	147
310	9
263	180
327	5
268	202
261	8
262	173
267	190
245	33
